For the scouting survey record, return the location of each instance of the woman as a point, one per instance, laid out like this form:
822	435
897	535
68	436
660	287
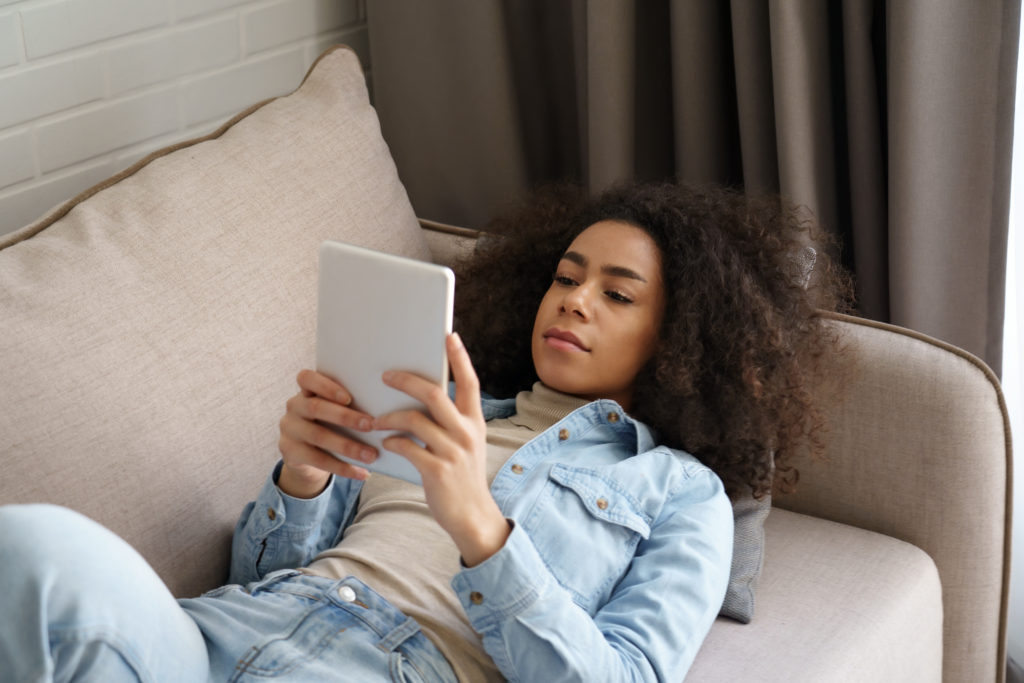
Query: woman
562	534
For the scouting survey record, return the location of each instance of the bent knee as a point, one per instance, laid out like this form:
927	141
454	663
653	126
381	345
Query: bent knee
39	522
39	537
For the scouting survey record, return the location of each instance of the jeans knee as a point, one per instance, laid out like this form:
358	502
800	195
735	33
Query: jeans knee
40	539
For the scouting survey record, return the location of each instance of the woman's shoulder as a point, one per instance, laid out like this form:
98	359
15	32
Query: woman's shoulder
682	469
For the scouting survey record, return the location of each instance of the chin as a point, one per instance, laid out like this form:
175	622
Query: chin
560	374
566	384
558	382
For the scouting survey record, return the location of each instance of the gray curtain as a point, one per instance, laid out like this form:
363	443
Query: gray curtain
891	121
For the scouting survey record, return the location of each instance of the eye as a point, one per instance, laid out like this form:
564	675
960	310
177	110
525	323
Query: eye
564	280
618	296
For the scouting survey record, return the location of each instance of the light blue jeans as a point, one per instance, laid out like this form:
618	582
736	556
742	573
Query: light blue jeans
77	603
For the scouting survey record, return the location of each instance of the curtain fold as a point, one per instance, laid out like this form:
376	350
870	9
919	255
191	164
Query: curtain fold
705	128
755	98
943	162
891	121
866	173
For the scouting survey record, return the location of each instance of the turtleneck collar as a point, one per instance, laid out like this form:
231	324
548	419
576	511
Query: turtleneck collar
542	407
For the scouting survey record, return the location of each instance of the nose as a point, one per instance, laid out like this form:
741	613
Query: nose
577	302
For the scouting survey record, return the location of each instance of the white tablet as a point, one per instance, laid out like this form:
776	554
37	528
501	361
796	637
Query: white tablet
379	312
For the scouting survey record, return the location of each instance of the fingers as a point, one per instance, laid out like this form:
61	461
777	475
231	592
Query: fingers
421	458
415	423
323	410
467	384
297	428
434	396
301	455
308	433
312	382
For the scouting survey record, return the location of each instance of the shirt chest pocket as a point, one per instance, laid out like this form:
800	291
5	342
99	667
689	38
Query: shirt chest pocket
586	527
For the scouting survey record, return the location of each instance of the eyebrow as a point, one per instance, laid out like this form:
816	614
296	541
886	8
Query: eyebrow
616	271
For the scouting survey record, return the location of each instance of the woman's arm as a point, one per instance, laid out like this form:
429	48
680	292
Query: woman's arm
650	629
309	498
278	531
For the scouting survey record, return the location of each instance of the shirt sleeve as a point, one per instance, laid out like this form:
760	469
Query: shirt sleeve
651	627
278	531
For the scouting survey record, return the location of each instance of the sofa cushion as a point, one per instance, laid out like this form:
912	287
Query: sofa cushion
835	603
153	326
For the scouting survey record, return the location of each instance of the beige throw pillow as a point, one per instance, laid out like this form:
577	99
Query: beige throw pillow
153	326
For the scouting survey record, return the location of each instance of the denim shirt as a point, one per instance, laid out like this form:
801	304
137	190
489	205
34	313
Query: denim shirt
615	568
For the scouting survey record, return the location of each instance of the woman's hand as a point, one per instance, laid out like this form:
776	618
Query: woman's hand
453	460
304	441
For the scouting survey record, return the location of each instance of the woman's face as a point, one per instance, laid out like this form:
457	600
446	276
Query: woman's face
598	323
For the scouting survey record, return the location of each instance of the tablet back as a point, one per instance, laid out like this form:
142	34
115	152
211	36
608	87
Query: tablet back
378	312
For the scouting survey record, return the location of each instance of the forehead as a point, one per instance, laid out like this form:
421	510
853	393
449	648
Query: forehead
620	244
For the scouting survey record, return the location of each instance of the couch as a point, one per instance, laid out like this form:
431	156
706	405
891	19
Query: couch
153	325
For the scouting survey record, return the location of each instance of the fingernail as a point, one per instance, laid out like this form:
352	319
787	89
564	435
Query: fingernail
457	339
365	424
367	455
343	398
388	376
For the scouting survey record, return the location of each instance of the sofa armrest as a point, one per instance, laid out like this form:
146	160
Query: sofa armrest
919	449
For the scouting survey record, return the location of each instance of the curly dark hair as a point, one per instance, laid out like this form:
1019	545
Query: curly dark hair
742	338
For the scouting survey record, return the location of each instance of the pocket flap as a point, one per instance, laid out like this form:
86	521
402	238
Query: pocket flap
603	498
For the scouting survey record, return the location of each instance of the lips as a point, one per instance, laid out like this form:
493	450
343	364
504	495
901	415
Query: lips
563	339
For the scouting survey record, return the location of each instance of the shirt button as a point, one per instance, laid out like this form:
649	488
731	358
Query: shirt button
517	469
476	598
563	434
347	594
272	514
602	503
613	417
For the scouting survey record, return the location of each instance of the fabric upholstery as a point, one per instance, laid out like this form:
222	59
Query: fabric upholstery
919	450
835	604
748	546
153	327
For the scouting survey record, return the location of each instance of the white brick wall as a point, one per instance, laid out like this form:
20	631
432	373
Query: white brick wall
87	87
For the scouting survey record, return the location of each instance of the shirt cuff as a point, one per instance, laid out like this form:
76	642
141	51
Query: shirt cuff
275	508
503	585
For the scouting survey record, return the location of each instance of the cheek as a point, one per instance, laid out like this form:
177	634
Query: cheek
543	310
540	318
644	343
